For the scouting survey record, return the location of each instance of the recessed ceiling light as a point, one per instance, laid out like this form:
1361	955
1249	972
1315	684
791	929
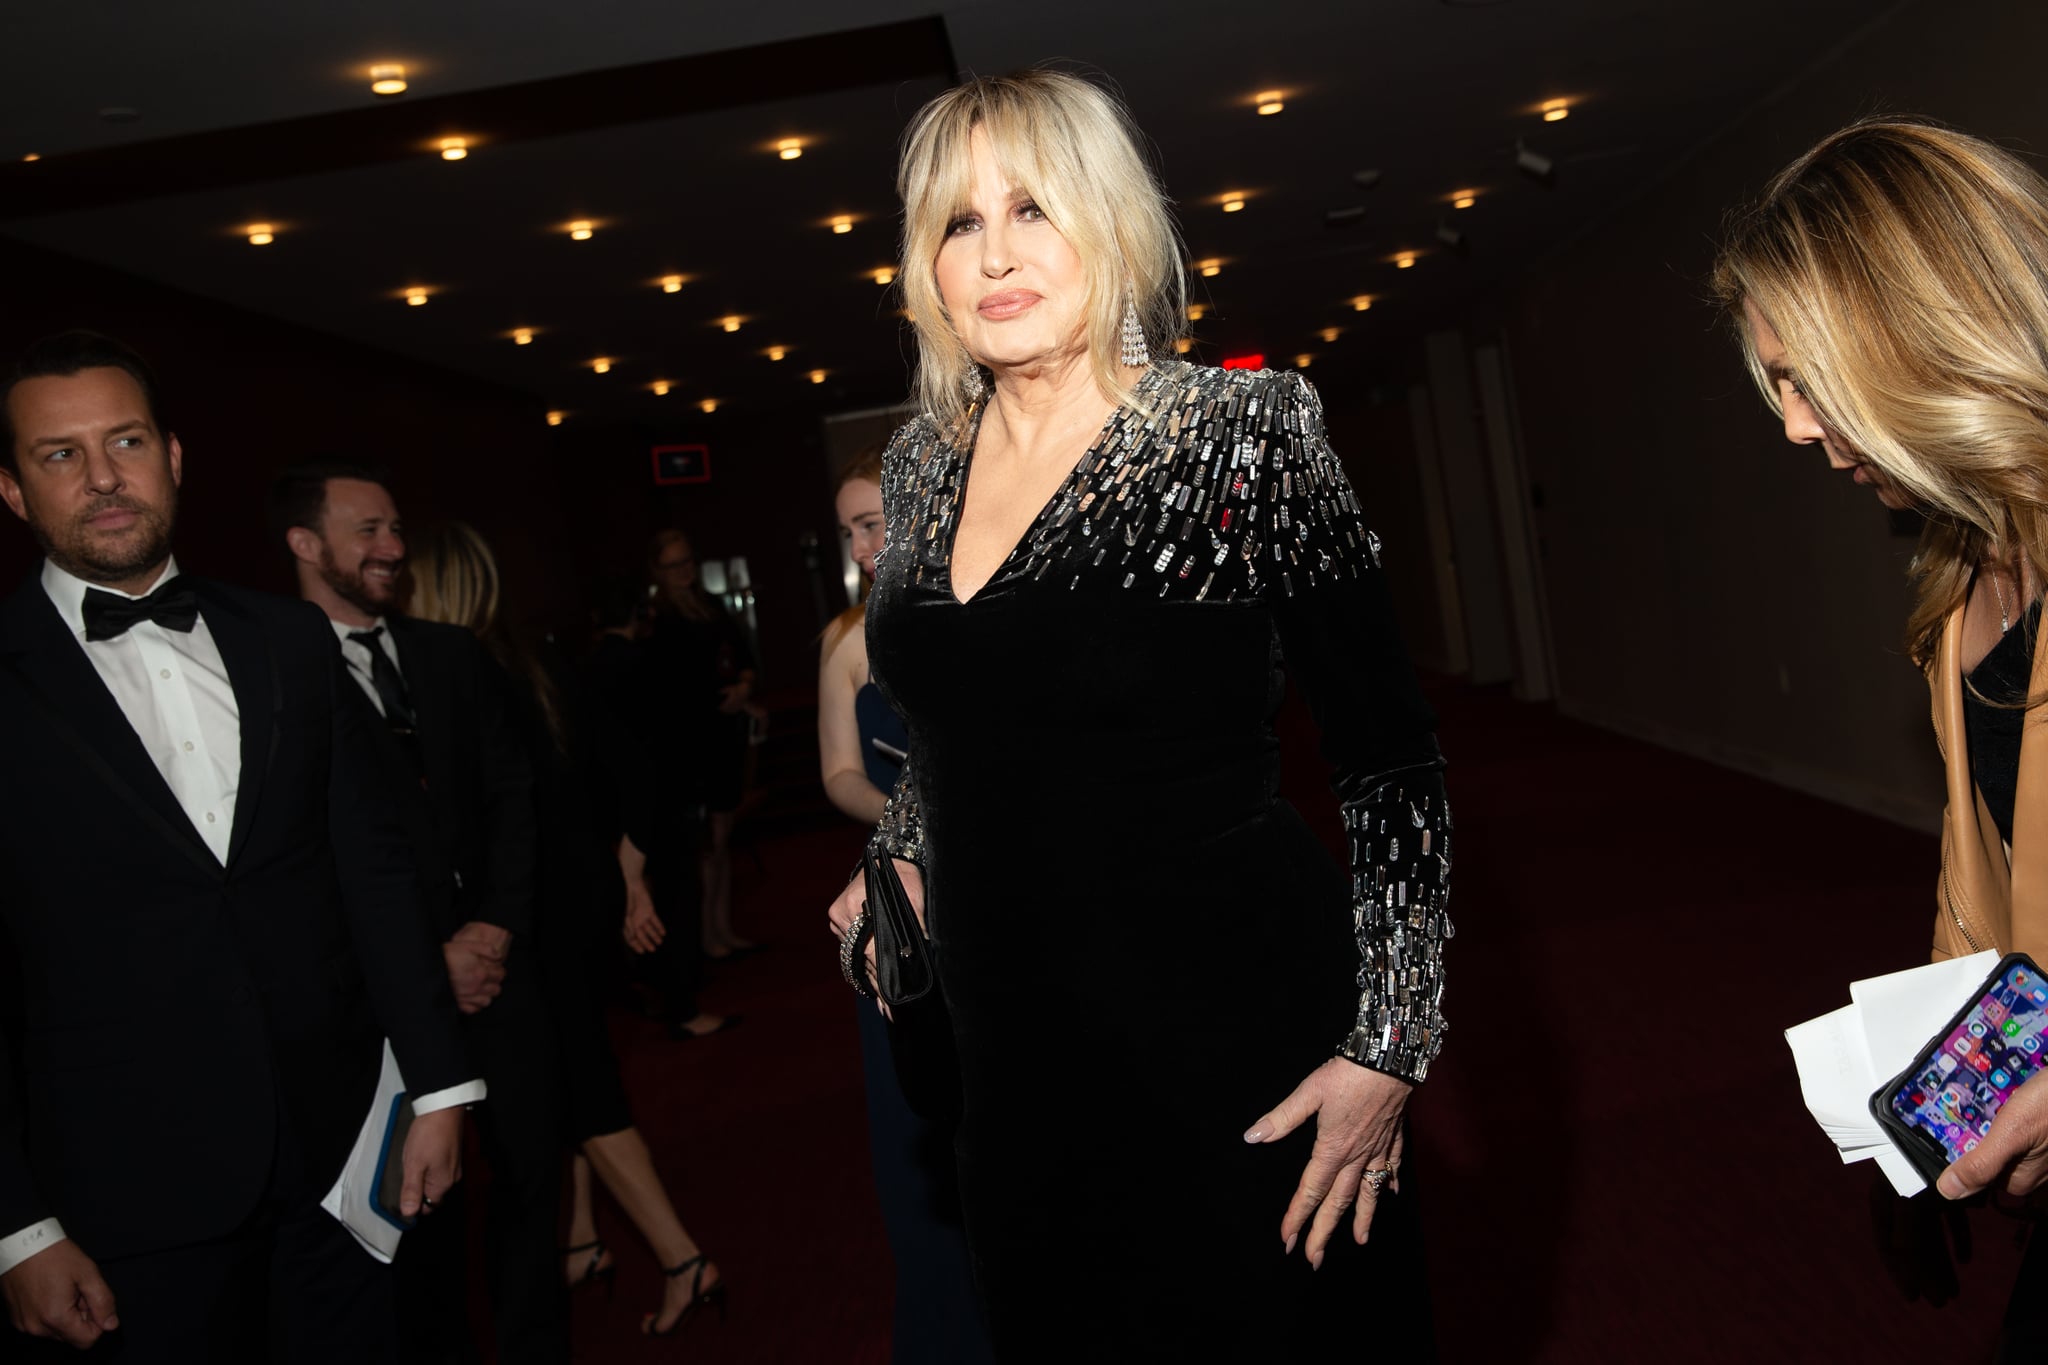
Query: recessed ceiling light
1196	312
671	284
731	324
777	352
454	148
1362	304
387	79
1330	334
790	148
415	296
885	275
709	405
601	365
1183	346
1233	203
262	234
1464	199
555	417
842	224
1556	111
33	156
1404	261
817	376
1270	102
1211	268
1302	361
580	230
522	336
660	387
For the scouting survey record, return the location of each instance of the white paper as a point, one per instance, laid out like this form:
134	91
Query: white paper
1844	1056
352	1198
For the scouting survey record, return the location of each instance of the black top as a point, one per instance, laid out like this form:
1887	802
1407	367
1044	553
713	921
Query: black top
1129	923
1992	717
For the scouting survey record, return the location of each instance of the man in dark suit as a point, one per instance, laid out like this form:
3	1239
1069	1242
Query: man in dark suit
453	746
213	921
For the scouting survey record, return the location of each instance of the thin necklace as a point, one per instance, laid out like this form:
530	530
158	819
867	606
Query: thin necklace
2004	618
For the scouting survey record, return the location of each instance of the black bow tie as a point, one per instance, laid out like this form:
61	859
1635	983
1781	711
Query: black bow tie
174	606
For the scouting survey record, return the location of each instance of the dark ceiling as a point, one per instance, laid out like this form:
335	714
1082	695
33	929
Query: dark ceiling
657	122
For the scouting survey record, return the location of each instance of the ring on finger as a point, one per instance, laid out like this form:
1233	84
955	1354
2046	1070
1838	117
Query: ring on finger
1376	1179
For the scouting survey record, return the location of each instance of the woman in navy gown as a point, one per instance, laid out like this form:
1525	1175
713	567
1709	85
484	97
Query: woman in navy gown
861	741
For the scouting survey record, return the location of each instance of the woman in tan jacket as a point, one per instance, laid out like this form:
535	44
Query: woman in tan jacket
1891	293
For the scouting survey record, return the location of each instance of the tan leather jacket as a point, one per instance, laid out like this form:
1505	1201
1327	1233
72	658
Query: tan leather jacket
1985	900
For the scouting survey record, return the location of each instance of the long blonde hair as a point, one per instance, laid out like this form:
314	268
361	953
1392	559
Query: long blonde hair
1904	266
1073	148
455	581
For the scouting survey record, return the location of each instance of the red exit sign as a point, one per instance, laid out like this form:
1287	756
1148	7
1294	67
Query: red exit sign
1255	361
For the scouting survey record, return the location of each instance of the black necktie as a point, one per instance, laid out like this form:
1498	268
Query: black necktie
174	606
390	686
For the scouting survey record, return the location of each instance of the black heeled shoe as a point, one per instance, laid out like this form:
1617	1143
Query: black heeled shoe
596	1272
699	1297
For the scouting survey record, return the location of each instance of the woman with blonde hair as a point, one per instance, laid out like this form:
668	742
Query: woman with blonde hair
1890	291
455	581
1097	559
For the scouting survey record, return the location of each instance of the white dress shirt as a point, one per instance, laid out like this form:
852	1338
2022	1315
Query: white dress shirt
358	656
173	687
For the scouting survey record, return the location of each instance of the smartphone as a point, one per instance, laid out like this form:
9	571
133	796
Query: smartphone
391	1163
1943	1104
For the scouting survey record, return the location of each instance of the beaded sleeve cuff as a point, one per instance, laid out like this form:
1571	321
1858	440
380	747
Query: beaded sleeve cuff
900	833
1401	888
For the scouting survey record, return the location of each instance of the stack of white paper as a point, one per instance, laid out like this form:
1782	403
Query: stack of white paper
1845	1056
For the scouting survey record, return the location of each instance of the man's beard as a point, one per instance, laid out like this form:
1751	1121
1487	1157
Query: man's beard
82	555
351	588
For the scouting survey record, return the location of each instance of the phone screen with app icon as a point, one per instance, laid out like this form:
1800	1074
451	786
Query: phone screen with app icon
1958	1087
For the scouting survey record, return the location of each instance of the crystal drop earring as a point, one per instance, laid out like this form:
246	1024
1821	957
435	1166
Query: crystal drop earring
1135	351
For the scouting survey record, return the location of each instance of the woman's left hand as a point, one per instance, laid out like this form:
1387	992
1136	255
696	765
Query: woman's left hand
1358	1129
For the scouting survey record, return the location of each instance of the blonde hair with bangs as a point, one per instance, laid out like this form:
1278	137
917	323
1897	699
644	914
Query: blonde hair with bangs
1072	147
1904	266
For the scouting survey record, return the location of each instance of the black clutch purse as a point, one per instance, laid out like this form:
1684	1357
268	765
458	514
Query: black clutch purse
903	955
920	1029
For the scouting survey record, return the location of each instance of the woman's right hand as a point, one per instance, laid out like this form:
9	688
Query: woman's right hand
643	929
852	902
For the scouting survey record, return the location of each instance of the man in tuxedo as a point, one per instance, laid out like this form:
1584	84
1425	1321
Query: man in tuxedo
452	744
213	921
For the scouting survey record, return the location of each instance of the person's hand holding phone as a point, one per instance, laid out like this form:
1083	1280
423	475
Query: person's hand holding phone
2016	1147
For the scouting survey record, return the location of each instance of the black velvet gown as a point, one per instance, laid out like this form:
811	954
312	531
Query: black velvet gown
1142	947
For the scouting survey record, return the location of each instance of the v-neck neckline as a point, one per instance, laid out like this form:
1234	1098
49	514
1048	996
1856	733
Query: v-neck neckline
967	449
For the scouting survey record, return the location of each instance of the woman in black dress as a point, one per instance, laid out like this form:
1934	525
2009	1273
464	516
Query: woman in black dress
580	821
1098	559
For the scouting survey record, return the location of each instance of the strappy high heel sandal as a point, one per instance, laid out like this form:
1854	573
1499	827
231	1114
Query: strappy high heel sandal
595	1271
699	1297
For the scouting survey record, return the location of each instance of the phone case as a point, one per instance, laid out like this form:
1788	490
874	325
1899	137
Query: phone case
1928	1156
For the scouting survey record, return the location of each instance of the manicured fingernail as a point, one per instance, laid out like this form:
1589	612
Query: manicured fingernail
1315	1260
1255	1133
1288	1248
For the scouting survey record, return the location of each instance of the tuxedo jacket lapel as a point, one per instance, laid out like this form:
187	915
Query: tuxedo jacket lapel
252	668
40	651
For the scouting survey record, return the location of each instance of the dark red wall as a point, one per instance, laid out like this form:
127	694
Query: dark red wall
248	394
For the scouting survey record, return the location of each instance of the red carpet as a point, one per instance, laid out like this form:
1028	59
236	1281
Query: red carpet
1613	1158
